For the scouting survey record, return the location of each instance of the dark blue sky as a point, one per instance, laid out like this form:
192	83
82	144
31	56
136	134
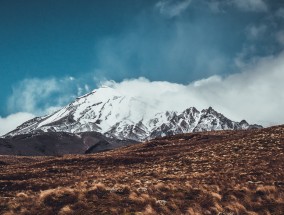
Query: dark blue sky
77	43
55	38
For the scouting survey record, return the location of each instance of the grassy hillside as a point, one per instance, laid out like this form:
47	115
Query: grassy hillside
225	172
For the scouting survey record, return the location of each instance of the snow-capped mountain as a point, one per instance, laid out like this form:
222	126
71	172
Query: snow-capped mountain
107	111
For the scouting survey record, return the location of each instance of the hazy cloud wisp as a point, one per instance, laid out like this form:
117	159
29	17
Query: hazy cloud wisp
251	5
172	8
43	96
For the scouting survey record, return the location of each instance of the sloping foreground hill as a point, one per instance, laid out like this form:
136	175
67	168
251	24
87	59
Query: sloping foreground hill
225	172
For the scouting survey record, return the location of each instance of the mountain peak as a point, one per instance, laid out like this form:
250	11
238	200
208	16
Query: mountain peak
209	110
109	112
244	122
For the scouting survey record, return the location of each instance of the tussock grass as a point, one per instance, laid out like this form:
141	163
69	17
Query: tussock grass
122	199
225	173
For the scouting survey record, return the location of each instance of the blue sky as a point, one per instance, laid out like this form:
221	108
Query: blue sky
52	51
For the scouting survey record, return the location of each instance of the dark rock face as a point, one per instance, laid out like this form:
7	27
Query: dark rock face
98	147
58	143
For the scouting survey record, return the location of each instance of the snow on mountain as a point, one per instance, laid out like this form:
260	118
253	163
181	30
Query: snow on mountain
107	111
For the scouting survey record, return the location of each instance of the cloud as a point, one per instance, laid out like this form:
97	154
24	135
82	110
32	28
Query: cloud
196	44
179	50
280	13
172	8
280	37
216	6
43	96
38	97
10	122
29	93
255	94
255	32
251	5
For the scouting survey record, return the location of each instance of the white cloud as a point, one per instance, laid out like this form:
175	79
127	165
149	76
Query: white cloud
30	92
251	5
37	97
41	96
172	8
10	122
256	94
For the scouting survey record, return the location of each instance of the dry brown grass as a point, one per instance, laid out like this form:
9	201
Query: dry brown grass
226	173
96	198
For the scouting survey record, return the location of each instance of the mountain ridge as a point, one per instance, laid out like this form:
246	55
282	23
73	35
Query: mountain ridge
107	111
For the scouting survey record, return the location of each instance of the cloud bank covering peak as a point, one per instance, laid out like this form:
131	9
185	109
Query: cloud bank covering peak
255	94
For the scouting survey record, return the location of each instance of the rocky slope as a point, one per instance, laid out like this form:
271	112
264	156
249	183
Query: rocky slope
107	111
